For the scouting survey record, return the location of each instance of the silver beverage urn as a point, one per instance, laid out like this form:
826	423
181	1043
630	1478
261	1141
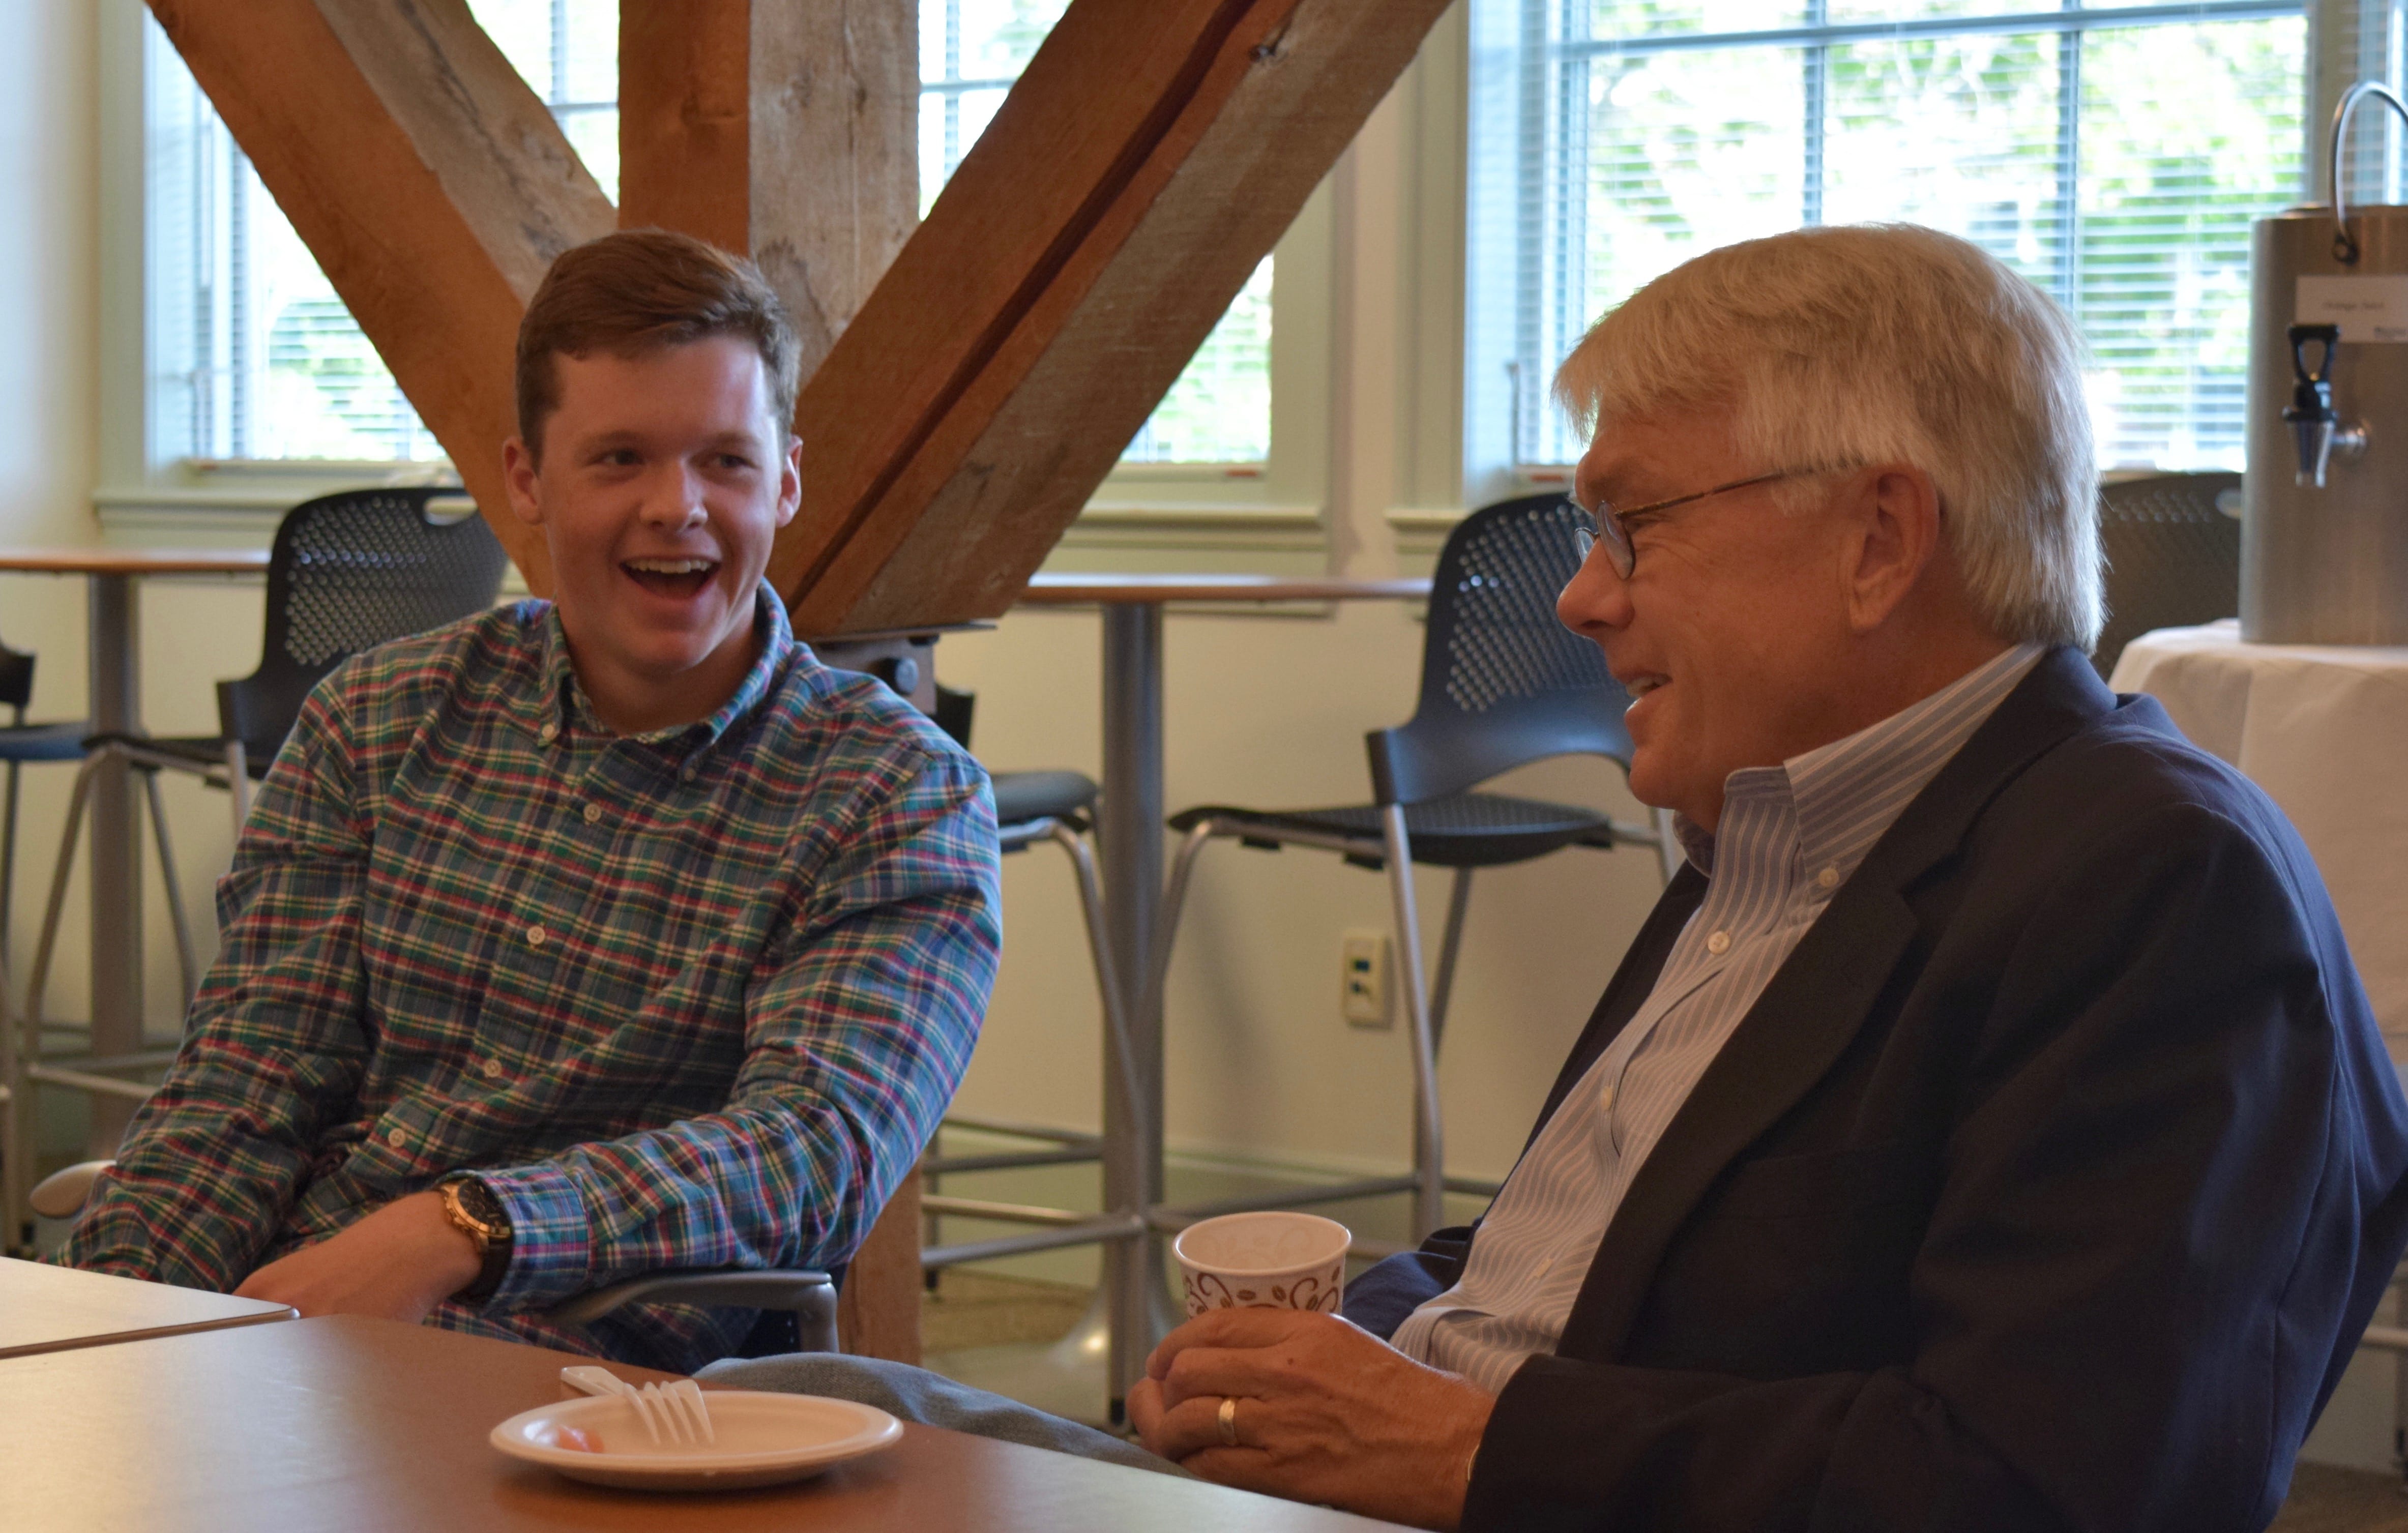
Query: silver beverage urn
2324	536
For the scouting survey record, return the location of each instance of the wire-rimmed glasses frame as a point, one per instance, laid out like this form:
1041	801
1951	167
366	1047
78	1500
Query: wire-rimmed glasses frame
1607	526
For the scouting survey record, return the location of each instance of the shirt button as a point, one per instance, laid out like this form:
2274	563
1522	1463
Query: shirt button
396	1137
592	814
686	776
1605	1100
548	731
537	936
492	1069
1828	877
1718	944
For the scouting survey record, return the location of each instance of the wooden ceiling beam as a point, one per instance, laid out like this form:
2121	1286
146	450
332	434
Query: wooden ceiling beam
786	132
430	183
1147	160
963	412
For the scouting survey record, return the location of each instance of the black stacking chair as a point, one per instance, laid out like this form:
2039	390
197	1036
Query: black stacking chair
1029	807
347	571
1503	685
2172	543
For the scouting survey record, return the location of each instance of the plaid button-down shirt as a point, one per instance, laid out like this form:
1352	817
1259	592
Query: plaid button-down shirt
688	999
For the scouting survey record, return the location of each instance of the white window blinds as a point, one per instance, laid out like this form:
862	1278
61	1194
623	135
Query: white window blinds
2112	154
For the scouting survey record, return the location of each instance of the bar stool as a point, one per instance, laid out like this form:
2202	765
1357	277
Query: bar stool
2173	555
348	571
1503	685
1032	807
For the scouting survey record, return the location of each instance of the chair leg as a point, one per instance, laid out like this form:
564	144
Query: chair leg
39	979
184	961
1429	1139
237	784
1174	900
7	869
1458	900
1118	1045
15	1151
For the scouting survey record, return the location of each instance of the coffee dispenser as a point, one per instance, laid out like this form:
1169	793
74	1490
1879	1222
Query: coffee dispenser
2323	540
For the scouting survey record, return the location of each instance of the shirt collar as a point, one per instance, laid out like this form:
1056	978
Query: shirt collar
558	701
1844	794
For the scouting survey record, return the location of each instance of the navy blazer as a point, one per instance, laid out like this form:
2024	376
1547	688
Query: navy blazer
2047	1185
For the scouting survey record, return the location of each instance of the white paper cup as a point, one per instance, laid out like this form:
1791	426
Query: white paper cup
1263	1261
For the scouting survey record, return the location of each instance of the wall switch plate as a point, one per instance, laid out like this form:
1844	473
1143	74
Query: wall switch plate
1362	957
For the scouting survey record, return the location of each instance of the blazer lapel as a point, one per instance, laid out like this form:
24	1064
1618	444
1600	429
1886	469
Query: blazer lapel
1818	1000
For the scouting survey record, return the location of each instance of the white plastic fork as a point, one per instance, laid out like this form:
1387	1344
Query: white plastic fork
679	1406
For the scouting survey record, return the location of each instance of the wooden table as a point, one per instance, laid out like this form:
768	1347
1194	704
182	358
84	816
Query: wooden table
1129	825
116	691
57	1309
350	1425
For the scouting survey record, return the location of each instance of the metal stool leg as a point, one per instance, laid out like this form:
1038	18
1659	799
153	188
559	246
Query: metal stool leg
238	785
1458	900
38	981
1430	1168
186	965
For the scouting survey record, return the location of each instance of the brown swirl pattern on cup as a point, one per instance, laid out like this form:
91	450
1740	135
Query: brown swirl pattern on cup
1315	1291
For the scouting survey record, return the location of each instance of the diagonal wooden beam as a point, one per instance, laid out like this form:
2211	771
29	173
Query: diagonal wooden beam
788	132
1143	166
429	181
1149	158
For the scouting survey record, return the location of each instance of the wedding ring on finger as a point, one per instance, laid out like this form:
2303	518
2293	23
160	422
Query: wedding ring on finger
1228	1421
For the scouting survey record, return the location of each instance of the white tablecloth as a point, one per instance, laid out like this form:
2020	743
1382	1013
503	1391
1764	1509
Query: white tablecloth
2324	730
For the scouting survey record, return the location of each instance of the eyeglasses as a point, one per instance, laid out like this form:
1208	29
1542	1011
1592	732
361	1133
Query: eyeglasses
1612	528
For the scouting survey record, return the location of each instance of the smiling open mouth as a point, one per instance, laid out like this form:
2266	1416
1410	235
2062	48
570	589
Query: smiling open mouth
1640	686
671	577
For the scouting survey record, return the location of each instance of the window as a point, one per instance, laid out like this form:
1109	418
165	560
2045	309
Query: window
2114	155
254	358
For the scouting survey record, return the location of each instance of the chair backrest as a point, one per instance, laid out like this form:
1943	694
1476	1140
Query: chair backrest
1503	683
16	681
349	571
2173	555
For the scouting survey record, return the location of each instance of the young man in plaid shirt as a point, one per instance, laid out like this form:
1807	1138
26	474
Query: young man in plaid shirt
585	937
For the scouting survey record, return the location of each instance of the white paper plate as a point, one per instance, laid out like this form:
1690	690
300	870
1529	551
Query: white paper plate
763	1440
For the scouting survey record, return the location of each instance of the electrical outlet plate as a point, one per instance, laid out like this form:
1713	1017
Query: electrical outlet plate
1364	969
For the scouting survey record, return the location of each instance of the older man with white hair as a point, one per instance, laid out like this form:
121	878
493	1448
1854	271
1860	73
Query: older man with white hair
1987	1130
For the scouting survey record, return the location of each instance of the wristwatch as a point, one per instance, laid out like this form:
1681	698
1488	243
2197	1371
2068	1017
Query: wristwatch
475	1213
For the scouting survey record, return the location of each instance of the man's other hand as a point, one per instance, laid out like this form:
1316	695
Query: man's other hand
1325	1412
397	1264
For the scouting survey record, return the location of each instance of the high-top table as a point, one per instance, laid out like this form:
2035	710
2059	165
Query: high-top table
115	684
58	1308
1130	828
355	1425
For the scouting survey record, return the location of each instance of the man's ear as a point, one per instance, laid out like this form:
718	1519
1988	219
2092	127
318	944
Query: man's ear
1898	539
519	475
790	480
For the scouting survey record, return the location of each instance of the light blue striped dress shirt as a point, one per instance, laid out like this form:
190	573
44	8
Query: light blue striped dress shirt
1789	836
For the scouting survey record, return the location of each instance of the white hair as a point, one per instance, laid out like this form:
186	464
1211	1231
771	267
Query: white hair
1883	343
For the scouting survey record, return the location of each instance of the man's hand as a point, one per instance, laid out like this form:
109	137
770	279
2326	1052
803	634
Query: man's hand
1325	1412
397	1264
